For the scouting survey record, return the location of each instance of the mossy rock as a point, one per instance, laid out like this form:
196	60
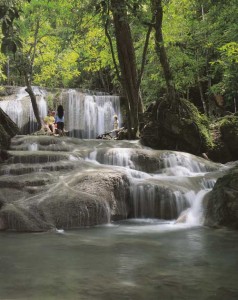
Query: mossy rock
183	129
229	133
222	202
225	137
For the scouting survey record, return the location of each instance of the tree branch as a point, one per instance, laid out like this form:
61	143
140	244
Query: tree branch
145	53
111	47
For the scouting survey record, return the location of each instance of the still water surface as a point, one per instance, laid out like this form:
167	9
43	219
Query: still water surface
134	259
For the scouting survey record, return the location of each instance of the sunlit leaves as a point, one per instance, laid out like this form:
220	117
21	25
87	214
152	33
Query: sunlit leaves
230	51
3	61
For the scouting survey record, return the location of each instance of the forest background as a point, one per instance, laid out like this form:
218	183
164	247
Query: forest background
74	44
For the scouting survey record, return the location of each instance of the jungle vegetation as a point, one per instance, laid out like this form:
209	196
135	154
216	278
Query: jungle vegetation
141	49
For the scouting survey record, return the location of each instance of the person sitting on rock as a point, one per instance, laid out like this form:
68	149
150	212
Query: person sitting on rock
116	125
49	121
59	120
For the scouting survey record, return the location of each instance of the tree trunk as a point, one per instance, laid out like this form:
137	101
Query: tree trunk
127	61
33	101
202	97
156	6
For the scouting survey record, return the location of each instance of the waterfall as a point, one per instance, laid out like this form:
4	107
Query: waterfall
87	116
114	157
195	213
175	190
14	108
20	109
88	182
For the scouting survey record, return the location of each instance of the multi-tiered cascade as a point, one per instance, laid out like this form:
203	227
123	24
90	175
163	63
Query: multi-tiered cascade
62	182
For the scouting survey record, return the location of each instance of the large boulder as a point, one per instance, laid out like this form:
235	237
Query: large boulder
53	186
225	139
62	199
184	129
8	129
222	202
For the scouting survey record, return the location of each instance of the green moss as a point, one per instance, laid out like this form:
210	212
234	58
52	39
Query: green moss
201	122
228	121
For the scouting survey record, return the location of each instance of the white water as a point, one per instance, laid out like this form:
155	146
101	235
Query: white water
176	189
165	185
86	116
195	215
20	109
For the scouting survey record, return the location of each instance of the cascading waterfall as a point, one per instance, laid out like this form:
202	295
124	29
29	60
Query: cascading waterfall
157	194
21	112
61	184
113	157
90	182
87	116
14	108
195	214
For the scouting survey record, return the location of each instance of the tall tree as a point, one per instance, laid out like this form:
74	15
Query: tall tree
127	61
157	10
11	42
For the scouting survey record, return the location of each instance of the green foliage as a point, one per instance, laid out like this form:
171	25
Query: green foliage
64	44
201	122
3	60
227	64
50	100
228	121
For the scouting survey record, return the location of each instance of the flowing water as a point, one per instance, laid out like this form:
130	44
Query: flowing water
20	110
161	251
146	257
86	115
134	259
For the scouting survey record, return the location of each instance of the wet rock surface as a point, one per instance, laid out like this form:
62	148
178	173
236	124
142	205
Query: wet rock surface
61	182
222	202
8	129
183	129
55	187
225	137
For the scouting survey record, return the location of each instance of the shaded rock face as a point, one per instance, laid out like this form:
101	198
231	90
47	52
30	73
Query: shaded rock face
222	202
225	136
60	182
82	201
181	130
8	129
